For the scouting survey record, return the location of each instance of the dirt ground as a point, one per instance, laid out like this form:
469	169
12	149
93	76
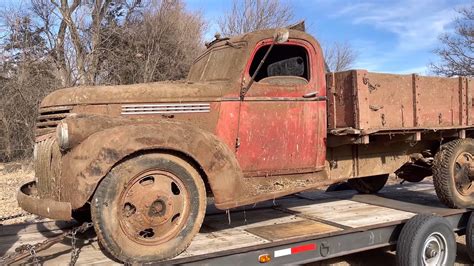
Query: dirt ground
11	180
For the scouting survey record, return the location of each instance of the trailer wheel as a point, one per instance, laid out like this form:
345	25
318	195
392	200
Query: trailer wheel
470	237
426	240
368	184
148	208
451	176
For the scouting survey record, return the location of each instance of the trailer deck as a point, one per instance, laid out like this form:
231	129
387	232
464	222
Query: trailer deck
302	228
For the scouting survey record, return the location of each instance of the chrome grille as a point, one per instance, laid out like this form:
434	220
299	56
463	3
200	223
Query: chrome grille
49	118
48	168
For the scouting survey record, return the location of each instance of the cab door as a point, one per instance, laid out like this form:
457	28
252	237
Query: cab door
282	119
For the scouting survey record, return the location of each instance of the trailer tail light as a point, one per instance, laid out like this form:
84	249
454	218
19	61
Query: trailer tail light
294	250
264	258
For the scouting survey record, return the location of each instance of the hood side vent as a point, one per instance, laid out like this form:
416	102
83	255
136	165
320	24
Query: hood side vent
142	109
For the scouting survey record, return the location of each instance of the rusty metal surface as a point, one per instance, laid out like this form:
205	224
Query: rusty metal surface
49	118
28	201
148	220
48	168
137	93
375	101
87	163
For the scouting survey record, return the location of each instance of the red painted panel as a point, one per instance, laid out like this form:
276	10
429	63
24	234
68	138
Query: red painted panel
278	135
226	128
279	131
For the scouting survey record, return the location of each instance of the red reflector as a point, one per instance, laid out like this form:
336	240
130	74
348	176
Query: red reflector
303	248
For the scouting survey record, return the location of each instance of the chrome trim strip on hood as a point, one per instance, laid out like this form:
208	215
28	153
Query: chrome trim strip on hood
140	109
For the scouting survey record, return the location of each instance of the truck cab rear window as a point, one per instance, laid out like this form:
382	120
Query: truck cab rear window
283	61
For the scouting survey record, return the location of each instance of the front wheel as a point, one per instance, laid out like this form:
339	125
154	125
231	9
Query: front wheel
149	208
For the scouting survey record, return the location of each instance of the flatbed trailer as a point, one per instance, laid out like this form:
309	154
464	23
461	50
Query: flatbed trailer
297	229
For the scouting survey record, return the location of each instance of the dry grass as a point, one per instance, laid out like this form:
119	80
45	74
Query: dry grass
10	182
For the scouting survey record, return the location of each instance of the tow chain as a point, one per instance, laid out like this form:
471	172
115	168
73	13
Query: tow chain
21	214
30	251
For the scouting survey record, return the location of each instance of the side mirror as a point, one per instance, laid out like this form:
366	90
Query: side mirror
281	35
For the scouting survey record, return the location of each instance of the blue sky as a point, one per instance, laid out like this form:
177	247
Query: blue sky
389	36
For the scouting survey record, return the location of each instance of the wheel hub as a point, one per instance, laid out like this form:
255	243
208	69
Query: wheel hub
155	205
431	252
463	173
157	208
435	250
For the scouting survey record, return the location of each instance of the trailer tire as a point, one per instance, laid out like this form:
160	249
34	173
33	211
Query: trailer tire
425	239
450	173
470	237
148	208
368	184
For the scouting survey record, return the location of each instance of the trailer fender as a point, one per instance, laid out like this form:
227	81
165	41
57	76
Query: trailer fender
84	166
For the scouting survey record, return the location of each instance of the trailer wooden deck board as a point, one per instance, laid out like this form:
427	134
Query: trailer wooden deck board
310	214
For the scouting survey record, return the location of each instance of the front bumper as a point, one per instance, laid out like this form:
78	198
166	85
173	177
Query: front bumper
29	201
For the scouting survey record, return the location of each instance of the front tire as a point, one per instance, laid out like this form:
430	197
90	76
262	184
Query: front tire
149	208
451	173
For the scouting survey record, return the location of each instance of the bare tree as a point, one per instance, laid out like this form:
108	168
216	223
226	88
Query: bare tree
26	77
340	56
79	23
250	15
62	43
159	45
457	50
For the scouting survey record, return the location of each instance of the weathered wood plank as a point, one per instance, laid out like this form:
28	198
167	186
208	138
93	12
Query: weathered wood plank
292	230
351	213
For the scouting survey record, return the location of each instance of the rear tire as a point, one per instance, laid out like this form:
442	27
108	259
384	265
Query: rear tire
426	240
368	184
470	237
148	208
450	173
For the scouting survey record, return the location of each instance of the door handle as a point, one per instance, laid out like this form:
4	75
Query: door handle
314	96
311	94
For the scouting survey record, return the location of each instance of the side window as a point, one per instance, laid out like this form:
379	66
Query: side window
285	65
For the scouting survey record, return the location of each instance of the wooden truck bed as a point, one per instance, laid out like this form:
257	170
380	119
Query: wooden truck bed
367	102
305	227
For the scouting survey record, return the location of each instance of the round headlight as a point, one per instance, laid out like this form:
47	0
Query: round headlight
62	135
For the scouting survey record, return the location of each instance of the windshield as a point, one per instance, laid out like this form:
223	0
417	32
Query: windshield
218	63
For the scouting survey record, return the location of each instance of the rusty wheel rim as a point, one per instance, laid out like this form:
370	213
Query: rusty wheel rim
154	207
461	173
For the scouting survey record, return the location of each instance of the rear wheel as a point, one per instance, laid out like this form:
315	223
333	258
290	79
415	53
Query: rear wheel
451	176
148	208
470	237
368	184
426	240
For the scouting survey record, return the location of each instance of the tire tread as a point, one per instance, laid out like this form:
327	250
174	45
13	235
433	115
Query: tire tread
441	172
411	232
96	210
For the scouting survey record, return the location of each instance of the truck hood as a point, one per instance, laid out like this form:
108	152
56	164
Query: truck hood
136	93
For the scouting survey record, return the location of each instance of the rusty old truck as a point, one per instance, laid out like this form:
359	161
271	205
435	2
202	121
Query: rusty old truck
257	118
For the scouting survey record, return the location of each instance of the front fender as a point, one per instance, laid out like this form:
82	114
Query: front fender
86	164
